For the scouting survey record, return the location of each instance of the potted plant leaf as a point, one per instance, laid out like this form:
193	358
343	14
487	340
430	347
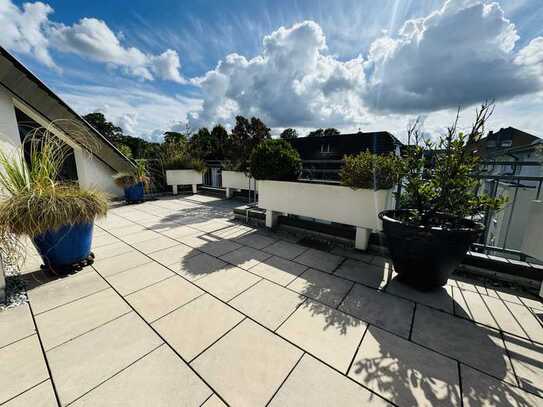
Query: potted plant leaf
429	237
133	183
56	215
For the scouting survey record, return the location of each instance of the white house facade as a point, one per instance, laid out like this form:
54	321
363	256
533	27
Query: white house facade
26	103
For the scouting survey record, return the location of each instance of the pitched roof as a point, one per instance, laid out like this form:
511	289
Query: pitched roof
23	84
310	148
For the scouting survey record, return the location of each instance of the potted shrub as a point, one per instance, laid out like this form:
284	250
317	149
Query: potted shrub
133	183
276	164
430	236
184	170
57	216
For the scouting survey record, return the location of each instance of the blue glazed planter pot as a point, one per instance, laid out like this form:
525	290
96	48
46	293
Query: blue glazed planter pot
134	193
68	245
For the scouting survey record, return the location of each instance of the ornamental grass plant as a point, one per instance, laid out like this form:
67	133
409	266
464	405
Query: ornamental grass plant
140	174
33	198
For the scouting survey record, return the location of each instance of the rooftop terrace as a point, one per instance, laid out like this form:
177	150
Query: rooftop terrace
184	306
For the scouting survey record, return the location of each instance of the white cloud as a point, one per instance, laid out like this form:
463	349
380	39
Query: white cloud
139	112
460	54
23	29
291	83
30	31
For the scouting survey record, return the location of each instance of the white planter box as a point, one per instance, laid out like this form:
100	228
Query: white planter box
334	203
532	243
183	177
236	180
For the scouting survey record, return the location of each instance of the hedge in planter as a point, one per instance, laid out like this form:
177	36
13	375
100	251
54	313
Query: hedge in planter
370	171
430	236
275	160
57	216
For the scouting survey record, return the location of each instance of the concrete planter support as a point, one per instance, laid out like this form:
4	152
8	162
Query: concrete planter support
183	177
332	203
236	180
532	243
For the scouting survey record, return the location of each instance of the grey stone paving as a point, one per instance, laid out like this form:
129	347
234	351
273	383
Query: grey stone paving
185	307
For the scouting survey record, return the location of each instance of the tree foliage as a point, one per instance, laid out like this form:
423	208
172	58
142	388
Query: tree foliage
288	134
448	186
324	132
245	136
371	171
275	160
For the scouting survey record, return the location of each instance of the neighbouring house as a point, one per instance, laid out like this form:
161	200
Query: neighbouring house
27	103
511	166
322	156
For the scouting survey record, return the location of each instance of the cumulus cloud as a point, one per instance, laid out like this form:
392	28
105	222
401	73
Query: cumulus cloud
23	29
291	83
29	30
458	55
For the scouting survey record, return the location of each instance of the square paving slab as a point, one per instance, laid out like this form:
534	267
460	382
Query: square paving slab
228	282
389	312
319	260
326	333
15	323
122	262
195	326
40	396
527	361
278	270
22	366
139	277
321	286
285	250
404	372
157	300
479	389
367	274
64	290
159	379
82	364
247	365
73	319
474	345
267	303
312	383
199	266
245	257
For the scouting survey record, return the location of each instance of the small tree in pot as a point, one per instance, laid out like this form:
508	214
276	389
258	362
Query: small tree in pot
429	237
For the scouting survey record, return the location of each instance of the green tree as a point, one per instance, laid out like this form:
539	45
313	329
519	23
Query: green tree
331	132
288	134
123	148
201	144
316	133
220	139
107	129
174	137
246	135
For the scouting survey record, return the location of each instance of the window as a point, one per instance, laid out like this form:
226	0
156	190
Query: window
325	148
507	143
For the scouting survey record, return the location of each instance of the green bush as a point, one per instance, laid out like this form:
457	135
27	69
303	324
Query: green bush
370	171
275	160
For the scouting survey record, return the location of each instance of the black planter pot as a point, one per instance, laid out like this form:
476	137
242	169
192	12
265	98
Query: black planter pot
425	257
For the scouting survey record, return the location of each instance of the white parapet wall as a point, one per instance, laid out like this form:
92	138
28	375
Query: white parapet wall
92	173
333	203
183	177
237	180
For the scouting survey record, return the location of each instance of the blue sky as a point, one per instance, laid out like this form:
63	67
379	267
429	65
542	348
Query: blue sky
155	66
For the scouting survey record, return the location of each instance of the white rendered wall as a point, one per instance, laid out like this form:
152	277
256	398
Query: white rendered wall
94	174
9	132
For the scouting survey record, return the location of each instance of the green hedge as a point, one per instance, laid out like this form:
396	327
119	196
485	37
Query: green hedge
275	160
371	171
